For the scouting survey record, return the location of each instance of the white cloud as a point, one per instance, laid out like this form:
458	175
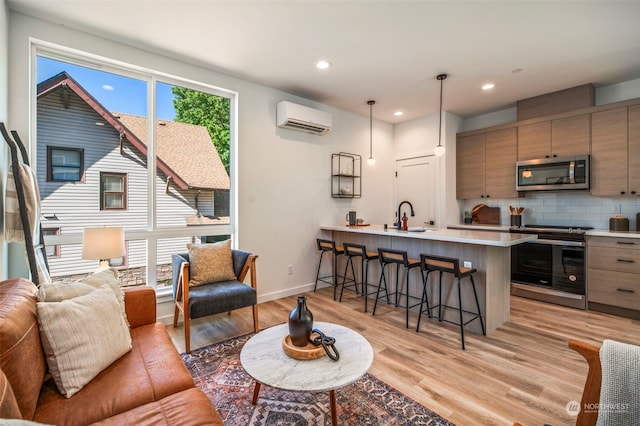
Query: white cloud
108	87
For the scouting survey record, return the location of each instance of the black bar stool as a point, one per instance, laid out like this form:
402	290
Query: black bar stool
399	258
450	265
328	246
352	250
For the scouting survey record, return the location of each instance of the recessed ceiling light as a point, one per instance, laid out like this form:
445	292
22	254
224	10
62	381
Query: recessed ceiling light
323	65
398	113
488	86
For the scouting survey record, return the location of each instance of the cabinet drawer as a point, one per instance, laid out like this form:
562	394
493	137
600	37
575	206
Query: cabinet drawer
614	288
614	259
626	243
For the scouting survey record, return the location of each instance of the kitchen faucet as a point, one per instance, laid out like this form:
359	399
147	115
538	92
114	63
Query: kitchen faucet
399	223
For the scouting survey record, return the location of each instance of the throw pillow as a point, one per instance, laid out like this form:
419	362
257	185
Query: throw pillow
210	263
60	292
81	337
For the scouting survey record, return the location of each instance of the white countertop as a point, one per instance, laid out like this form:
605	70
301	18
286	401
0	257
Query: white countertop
497	228
479	237
616	234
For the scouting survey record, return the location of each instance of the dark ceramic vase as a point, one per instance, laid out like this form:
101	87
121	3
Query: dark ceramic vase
300	323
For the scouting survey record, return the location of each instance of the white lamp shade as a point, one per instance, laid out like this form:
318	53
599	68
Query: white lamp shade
438	150
105	242
371	161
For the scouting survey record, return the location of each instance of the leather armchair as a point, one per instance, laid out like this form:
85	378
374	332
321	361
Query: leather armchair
214	298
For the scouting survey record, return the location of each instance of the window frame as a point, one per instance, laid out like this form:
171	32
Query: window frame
56	247
50	165
151	233
103	193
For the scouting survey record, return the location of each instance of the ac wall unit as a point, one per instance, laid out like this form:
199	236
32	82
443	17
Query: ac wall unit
298	117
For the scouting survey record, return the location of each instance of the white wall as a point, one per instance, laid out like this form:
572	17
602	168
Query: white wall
284	176
618	92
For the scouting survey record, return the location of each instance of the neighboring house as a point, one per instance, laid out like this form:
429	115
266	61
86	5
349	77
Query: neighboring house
92	171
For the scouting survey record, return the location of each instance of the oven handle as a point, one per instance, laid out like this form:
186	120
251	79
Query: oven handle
559	243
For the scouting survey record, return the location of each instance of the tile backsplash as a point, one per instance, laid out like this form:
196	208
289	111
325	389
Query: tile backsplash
564	208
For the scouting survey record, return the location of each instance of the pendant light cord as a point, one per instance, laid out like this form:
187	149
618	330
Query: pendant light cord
440	77
371	103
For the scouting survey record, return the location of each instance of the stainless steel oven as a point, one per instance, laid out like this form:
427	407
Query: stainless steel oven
552	268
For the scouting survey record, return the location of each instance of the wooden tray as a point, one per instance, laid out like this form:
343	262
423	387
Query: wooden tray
302	353
357	226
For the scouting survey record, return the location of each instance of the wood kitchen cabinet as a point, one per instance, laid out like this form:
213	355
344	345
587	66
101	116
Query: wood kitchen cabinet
615	148
633	174
486	165
470	166
613	275
554	138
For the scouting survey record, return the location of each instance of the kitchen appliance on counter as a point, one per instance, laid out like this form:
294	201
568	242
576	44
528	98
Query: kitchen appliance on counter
618	223
552	268
553	174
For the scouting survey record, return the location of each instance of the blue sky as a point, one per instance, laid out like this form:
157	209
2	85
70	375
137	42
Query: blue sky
114	92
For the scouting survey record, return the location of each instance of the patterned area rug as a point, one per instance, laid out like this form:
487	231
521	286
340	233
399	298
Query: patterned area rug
216	369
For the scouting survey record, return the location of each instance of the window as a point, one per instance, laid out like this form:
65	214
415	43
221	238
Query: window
164	177
52	251
113	191
65	164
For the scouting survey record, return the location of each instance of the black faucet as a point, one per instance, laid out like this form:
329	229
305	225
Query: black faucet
399	224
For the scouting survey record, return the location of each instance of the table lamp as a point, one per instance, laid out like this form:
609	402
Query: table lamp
103	243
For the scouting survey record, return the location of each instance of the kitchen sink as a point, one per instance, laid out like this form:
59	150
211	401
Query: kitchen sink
420	229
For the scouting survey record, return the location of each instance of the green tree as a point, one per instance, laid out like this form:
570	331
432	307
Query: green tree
206	110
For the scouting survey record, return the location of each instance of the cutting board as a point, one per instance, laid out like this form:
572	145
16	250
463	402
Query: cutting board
485	215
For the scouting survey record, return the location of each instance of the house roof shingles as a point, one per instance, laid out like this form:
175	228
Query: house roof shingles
186	148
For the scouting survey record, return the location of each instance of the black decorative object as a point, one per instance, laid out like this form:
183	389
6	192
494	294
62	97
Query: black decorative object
328	344
300	323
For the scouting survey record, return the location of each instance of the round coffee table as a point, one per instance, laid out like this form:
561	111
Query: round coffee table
263	358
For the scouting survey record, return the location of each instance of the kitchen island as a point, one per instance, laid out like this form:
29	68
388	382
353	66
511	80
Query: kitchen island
489	253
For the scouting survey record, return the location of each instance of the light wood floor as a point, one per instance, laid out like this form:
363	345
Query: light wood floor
523	371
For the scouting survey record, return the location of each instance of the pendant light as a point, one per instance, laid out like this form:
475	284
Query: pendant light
371	161
439	150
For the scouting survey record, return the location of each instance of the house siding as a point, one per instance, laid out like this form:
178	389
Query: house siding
72	206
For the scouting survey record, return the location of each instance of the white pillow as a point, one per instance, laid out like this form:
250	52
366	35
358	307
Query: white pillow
81	337
60	292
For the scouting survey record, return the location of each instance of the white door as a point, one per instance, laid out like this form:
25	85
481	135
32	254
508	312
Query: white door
416	183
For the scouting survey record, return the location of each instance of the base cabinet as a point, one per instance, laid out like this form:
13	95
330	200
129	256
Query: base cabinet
613	274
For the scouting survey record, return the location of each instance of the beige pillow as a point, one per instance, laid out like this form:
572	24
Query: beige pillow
210	263
60	292
81	337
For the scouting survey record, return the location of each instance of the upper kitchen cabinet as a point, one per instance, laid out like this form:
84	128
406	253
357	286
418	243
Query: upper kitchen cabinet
534	141
634	149
500	164
486	164
470	167
554	138
614	156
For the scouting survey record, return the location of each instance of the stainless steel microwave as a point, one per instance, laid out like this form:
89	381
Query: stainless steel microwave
553	174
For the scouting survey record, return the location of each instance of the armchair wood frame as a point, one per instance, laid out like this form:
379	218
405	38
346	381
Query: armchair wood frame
591	391
182	297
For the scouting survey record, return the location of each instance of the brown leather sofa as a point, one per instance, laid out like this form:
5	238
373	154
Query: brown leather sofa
147	386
